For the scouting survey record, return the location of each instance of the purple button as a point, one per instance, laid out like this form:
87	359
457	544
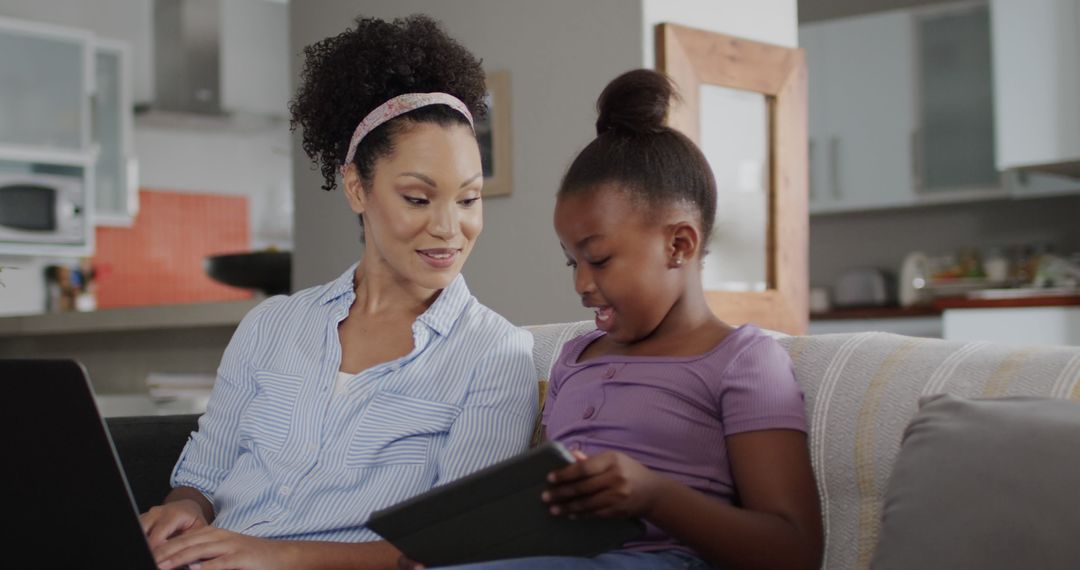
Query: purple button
588	412
609	372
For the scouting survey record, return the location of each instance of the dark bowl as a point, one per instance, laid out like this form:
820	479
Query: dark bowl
267	271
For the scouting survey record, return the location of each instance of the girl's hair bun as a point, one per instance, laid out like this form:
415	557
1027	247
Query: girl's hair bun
635	102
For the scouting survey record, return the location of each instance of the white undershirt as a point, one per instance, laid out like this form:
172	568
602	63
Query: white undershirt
342	378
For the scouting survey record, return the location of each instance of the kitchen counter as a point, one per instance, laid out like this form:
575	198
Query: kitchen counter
193	315
1038	301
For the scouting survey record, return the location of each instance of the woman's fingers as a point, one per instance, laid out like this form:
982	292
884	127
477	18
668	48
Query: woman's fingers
176	551
166	525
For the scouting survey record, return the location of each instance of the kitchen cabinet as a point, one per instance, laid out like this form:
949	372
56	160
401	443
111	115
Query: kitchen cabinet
116	196
861	111
931	105
46	83
1036	46
954	144
46	80
66	111
1014	325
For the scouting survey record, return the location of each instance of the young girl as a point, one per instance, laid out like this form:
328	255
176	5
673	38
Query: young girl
675	417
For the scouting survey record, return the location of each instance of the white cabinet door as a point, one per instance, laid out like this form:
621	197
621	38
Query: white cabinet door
1036	44
812	39
867	117
45	85
116	192
1017	325
955	145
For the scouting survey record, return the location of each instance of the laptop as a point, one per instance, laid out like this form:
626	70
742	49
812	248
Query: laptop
68	502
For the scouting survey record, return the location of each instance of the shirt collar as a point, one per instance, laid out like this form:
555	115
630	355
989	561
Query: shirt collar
340	286
440	316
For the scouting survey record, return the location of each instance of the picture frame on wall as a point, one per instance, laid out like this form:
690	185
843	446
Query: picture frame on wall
493	134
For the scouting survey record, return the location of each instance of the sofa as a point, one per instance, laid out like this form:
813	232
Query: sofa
861	391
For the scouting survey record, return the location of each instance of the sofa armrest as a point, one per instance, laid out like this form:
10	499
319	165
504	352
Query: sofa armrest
148	447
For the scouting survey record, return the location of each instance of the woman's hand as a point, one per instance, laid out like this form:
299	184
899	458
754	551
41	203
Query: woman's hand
610	484
175	518
216	549
404	563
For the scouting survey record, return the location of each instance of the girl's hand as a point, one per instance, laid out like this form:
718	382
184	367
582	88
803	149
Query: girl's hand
216	549
171	519
610	484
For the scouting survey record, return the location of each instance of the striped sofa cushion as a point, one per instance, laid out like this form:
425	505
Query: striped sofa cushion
861	391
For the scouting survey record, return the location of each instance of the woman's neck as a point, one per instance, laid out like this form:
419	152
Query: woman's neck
379	289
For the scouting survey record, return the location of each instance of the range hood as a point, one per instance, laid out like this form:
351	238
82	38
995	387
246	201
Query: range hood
187	56
219	63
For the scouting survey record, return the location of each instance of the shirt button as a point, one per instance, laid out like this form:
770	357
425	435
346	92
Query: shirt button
609	372
588	412
312	447
285	490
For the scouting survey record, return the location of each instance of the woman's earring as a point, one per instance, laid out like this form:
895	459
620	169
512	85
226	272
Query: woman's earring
679	261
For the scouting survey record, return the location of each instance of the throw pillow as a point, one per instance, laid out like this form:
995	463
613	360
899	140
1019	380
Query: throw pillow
985	484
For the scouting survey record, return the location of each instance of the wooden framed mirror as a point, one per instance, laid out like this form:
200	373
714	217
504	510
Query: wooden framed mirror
744	104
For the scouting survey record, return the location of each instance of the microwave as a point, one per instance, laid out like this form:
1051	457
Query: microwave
42	209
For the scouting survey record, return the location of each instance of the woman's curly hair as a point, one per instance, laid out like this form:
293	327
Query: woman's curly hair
346	76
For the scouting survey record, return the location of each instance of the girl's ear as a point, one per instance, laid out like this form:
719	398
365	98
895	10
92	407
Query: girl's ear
684	243
354	189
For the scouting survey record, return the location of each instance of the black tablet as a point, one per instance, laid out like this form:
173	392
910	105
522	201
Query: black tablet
495	514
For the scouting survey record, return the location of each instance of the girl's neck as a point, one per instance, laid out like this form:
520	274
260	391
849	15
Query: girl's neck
689	315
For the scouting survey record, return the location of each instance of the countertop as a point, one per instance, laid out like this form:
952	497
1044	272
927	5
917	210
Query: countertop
193	315
945	303
1041	301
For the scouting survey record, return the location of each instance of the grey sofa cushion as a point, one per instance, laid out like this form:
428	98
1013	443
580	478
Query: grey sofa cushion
985	484
148	447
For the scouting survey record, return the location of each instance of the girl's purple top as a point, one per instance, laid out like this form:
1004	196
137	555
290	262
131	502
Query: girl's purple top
672	413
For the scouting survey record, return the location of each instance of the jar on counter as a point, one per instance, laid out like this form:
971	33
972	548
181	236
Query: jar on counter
996	265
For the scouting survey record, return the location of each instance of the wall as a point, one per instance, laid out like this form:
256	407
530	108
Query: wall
886	236
770	21
212	159
814	10
560	54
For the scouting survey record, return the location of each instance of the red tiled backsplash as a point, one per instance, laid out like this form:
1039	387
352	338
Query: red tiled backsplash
159	259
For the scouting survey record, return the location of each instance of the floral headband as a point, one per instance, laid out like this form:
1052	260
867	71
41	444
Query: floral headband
399	106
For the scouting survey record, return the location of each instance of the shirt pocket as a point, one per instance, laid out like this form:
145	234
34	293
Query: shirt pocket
398	430
268	419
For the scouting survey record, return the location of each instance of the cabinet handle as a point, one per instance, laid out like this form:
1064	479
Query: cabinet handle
834	166
916	160
131	178
810	170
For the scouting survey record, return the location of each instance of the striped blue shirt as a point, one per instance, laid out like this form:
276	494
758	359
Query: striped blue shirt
280	456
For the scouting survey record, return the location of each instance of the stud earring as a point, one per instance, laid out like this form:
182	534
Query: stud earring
679	261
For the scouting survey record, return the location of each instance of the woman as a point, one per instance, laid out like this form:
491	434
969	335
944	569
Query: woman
349	397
